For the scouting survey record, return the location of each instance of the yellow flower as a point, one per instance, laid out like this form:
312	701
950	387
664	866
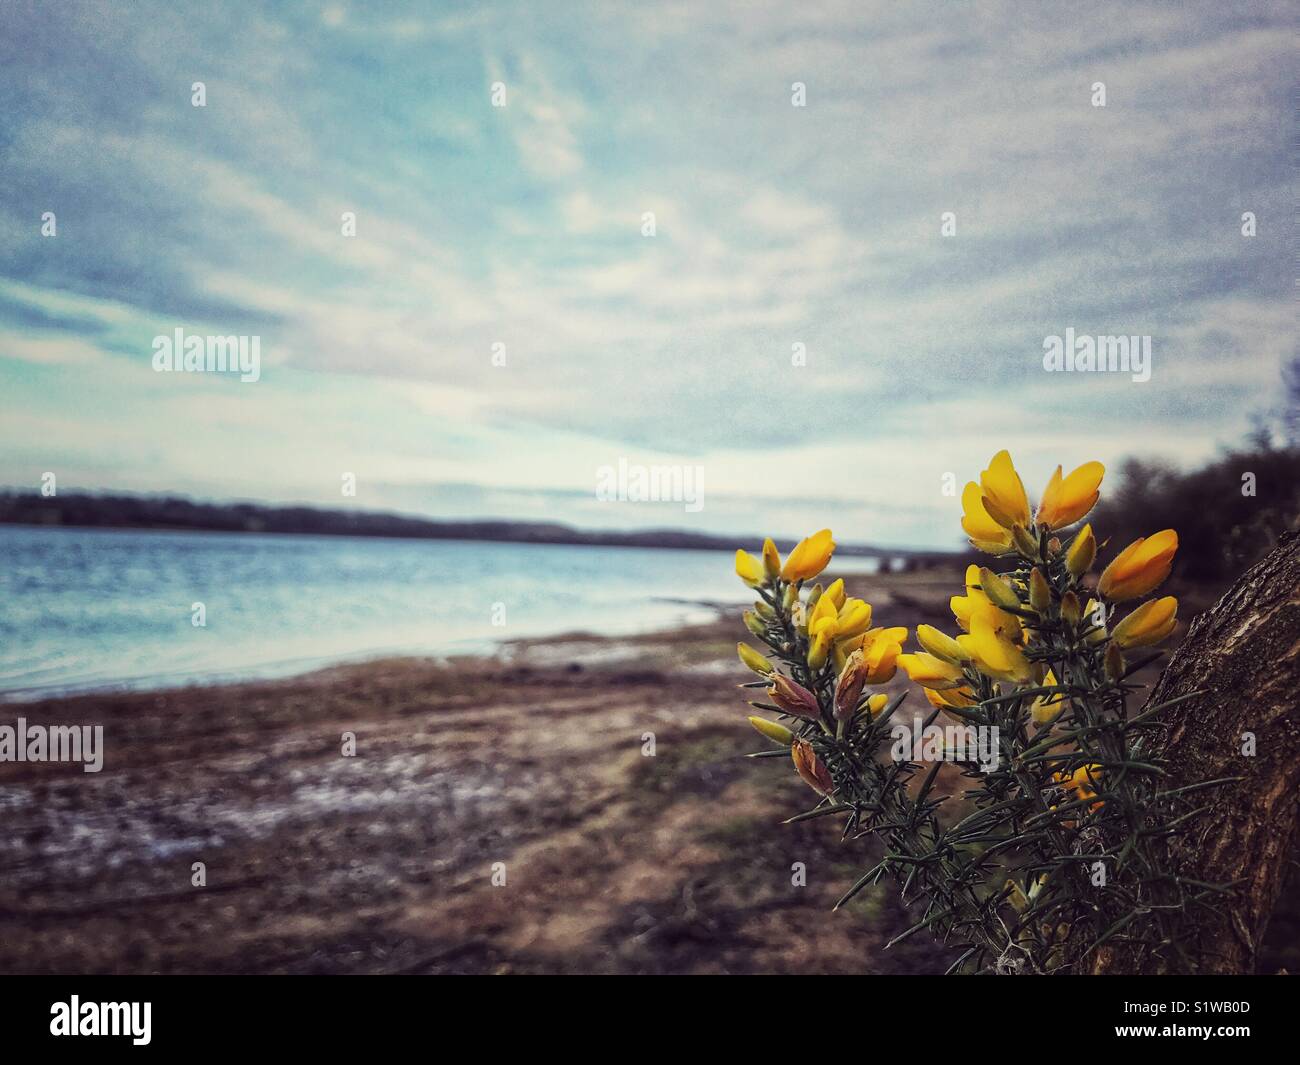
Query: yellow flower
1046	707
941	645
882	652
931	672
877	703
1083	549
1139	568
853	619
994	654
950	697
964	605
1081	782
749	569
810	767
1004	493
850	640
1148	624
835	593
1066	501
771	559
809	557
753	659
823	617
773	731
985	533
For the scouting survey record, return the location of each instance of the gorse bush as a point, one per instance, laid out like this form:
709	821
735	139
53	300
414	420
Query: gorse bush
1061	845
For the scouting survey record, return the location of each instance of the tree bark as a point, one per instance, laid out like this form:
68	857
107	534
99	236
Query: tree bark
1243	655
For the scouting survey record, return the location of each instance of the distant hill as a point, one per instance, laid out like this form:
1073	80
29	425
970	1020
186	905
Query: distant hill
90	510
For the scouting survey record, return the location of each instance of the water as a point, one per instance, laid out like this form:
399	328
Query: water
90	609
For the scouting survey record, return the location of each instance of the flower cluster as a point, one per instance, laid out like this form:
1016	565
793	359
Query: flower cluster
1015	625
825	638
1062	843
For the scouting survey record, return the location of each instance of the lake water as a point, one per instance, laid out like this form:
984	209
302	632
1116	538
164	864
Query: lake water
91	609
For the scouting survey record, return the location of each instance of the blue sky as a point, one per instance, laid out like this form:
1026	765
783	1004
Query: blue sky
522	224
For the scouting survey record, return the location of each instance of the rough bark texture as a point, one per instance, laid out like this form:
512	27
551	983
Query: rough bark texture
1243	654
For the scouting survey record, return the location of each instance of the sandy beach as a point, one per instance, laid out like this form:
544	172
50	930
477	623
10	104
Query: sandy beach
383	862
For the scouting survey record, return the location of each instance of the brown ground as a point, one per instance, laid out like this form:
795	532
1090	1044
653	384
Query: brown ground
382	862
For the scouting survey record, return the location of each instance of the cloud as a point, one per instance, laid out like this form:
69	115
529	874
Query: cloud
776	226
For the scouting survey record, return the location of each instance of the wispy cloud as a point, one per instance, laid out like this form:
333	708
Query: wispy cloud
775	226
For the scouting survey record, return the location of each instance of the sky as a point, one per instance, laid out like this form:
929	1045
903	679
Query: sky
798	327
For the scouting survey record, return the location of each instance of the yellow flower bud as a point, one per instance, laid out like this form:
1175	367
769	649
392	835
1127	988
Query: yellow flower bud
1045	708
754	660
1139	568
1114	663
1083	549
1024	541
931	672
1148	624
754	624
1040	592
1094	620
877	703
819	650
1000	593
835	593
773	730
809	557
941	645
1070	611
771	559
749	569
764	611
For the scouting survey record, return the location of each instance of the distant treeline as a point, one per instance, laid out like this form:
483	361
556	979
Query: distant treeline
157	512
1228	514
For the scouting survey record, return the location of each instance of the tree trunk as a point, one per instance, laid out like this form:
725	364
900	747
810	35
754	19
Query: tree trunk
1243	655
